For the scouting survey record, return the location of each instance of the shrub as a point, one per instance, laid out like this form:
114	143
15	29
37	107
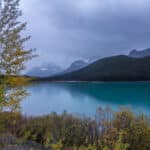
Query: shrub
124	130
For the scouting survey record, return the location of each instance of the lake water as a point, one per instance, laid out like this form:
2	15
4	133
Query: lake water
85	98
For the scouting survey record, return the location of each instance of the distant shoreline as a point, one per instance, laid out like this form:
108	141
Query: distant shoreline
73	81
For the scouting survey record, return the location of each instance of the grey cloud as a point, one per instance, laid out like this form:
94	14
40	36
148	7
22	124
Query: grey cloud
65	30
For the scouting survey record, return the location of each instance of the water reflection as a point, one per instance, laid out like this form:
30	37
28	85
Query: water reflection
11	95
85	98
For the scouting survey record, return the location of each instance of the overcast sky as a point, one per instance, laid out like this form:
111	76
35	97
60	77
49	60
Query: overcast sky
65	30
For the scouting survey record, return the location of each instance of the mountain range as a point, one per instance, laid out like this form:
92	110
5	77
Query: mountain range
52	69
134	67
139	54
76	66
44	70
116	68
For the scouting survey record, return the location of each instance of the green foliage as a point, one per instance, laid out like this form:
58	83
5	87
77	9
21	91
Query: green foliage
119	145
138	135
123	119
12	52
10	122
89	147
57	146
105	148
67	132
13	55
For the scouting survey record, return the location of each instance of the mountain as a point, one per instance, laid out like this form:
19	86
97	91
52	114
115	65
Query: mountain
44	70
138	54
115	68
76	66
93	59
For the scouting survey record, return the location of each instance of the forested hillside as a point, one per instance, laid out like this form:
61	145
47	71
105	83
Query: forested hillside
116	68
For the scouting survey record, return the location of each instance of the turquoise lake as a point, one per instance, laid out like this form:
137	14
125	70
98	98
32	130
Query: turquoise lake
85	98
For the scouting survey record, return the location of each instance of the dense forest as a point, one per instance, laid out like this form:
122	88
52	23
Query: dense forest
115	68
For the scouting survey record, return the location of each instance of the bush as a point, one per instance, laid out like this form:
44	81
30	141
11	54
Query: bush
123	130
